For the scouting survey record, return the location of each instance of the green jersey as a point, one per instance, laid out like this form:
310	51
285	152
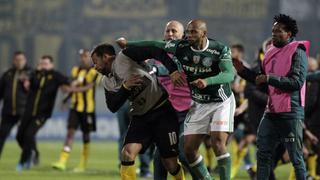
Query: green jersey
213	63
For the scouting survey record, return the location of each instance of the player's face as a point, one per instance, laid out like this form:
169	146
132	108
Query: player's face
173	32
194	35
85	59
235	53
19	61
102	64
46	64
279	35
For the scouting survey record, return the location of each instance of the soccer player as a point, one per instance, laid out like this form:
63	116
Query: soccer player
13	94
153	118
179	97
208	66
82	111
284	73
43	87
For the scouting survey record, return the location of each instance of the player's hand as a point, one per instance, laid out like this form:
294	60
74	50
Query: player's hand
200	83
260	79
135	80
238	111
122	42
238	65
311	137
177	79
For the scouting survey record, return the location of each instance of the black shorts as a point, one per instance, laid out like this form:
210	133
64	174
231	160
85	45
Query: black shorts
248	128
87	121
159	126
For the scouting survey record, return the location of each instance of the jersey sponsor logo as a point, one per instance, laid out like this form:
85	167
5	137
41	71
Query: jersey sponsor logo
207	61
220	123
202	97
213	51
185	58
196	59
196	70
169	45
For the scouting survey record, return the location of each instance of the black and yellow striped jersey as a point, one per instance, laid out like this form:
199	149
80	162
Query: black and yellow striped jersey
84	101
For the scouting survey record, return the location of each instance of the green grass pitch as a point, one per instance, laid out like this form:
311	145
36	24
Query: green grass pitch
103	163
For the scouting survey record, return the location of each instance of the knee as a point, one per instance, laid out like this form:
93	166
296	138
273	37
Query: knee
219	146
127	154
171	164
190	153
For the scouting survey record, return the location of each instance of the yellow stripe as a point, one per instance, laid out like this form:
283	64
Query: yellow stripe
14	94
36	102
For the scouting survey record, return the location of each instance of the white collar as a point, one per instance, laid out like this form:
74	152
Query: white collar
201	50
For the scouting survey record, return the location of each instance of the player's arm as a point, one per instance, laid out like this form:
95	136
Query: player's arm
313	76
226	75
142	53
169	46
297	75
115	99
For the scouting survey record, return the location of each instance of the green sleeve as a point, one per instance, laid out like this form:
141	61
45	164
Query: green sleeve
169	46
226	67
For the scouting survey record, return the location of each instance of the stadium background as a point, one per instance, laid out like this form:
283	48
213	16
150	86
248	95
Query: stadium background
61	27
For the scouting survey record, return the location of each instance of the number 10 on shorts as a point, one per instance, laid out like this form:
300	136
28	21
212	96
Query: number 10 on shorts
172	138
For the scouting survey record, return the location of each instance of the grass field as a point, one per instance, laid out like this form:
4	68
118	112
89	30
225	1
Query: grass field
103	163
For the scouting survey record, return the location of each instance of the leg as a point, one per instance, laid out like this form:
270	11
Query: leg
87	124
6	125
292	138
123	123
219	145
267	140
191	151
159	171
73	124
128	155
30	140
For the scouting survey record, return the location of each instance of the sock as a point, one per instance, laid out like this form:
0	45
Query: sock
224	166
311	162
237	162
128	170
84	155
179	174
200	170
64	155
208	157
292	175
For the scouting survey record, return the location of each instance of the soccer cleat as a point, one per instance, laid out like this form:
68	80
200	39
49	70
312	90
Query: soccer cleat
19	167
59	166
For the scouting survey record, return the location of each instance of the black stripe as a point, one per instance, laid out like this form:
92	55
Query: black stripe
127	163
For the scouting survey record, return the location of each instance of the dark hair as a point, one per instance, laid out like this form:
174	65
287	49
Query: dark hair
289	23
47	57
103	49
16	53
239	47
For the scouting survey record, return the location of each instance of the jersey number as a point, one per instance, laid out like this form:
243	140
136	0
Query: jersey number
172	138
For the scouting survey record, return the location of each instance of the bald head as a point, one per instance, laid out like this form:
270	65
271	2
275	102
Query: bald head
198	24
174	30
196	33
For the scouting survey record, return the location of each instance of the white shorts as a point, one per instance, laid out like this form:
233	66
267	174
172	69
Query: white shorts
215	116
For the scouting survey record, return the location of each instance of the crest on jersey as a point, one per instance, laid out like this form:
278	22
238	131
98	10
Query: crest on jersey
207	61
196	59
185	58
